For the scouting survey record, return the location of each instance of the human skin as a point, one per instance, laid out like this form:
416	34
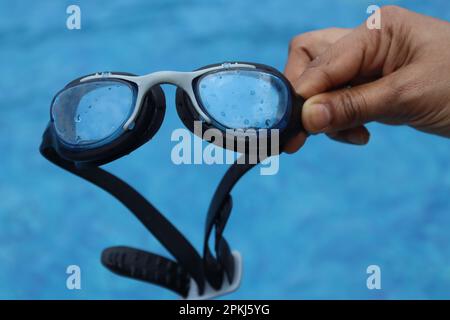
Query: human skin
397	75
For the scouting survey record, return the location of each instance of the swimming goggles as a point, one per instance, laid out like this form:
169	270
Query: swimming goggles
101	117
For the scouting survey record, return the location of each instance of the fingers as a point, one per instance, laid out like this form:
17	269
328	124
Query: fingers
295	143
357	136
302	50
350	107
333	68
359	58
297	62
359	54
305	47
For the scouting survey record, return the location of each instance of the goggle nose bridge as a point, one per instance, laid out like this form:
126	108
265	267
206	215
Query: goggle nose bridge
182	80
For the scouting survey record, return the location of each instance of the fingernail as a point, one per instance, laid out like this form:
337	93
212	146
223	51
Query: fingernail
317	116
359	139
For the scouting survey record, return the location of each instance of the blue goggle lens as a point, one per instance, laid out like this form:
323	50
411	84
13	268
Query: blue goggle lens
244	98
93	113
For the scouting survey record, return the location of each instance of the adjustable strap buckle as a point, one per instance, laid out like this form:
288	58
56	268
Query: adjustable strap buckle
224	272
227	287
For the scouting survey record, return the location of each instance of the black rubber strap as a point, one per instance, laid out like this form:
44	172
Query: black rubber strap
146	266
218	214
180	248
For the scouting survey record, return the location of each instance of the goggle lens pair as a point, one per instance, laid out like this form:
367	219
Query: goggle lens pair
93	113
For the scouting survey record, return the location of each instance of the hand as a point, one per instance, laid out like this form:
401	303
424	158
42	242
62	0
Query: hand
399	74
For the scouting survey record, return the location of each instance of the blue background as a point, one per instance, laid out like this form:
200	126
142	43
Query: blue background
308	232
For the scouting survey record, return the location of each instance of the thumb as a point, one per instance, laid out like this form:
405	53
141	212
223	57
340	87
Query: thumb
350	107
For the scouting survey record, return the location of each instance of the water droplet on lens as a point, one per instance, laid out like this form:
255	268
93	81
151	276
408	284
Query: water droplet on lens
262	101
252	92
246	121
203	86
90	106
78	118
260	109
109	88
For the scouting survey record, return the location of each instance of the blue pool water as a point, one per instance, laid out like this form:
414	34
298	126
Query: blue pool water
308	232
